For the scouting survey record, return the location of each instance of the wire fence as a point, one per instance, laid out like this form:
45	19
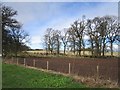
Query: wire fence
102	69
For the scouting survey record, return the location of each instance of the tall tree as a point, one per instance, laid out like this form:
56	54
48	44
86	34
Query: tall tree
49	44
79	27
64	39
72	40
52	40
96	35
8	23
102	30
56	39
20	37
113	31
89	32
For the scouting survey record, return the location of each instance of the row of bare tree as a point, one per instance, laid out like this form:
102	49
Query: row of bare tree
102	32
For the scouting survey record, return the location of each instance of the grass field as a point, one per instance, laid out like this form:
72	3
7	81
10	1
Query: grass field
20	77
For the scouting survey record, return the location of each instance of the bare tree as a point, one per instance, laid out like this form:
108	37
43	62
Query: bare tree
52	40
89	32
113	31
56	39
64	39
78	28
20	37
96	36
8	24
102	31
48	40
72	40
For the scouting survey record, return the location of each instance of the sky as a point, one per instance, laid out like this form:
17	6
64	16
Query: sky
36	17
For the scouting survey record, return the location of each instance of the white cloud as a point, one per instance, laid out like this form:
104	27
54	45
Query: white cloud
101	10
35	40
30	13
65	22
33	11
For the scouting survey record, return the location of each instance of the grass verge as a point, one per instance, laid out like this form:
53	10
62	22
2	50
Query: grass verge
19	77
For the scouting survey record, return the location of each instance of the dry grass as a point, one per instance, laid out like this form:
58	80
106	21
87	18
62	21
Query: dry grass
86	53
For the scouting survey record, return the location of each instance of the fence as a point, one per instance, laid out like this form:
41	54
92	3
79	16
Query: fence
104	69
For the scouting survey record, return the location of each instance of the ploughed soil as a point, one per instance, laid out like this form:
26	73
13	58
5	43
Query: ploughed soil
102	68
92	71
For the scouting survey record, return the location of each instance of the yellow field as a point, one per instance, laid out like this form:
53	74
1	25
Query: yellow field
87	53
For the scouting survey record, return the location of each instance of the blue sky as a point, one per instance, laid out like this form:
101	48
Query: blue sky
36	17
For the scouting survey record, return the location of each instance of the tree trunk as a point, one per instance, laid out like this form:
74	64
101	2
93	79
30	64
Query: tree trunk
83	47
100	49
111	47
103	51
80	48
51	51
58	47
64	49
16	49
79	51
74	47
83	51
97	50
92	47
103	54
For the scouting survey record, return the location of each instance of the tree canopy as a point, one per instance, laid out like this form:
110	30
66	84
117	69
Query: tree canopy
12	33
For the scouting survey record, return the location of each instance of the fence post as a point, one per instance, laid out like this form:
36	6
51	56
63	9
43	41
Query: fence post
24	62
69	68
47	65
33	63
17	61
97	71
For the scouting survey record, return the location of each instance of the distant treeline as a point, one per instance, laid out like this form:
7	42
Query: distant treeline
101	32
35	49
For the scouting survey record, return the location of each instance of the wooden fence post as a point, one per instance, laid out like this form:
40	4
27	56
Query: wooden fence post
69	68
24	62
97	71
47	65
33	63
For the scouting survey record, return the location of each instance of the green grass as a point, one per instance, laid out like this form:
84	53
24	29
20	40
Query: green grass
19	77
